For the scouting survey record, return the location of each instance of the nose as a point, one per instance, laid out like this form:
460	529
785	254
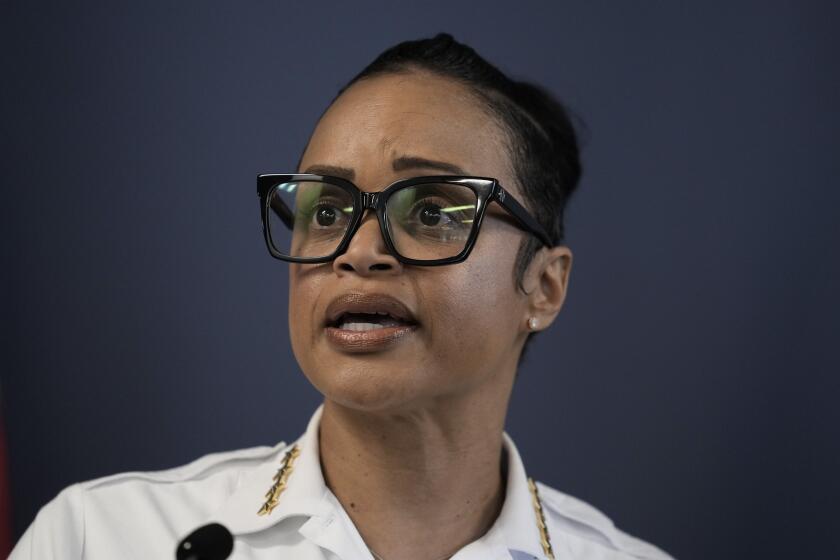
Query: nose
367	253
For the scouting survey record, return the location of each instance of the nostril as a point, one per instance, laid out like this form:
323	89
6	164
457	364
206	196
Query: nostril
380	266
346	267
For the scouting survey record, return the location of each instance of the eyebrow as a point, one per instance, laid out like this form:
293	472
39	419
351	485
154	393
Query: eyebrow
332	170
400	164
412	162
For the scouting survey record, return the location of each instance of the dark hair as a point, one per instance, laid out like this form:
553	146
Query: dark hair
542	142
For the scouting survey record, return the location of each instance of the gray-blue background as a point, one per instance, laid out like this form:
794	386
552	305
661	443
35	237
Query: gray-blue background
689	388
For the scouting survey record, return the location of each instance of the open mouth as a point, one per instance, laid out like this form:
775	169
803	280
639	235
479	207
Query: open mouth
362	322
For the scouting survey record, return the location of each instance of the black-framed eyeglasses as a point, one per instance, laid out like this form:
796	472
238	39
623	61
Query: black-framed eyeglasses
426	221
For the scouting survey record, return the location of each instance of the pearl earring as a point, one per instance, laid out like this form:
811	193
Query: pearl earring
532	323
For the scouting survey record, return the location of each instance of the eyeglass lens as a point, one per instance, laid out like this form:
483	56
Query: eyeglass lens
426	221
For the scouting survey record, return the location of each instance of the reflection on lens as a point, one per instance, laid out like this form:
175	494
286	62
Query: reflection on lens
308	218
431	221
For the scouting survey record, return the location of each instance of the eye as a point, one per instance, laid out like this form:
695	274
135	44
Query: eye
438	213
325	215
433	212
431	215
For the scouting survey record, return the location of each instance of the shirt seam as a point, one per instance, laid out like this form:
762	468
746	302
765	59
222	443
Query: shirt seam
83	507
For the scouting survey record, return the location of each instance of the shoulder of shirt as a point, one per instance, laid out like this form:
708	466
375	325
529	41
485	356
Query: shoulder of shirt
61	523
591	528
208	465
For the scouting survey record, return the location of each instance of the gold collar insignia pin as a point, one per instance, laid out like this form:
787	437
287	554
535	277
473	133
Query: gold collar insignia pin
280	480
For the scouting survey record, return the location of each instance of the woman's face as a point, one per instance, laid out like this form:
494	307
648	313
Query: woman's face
454	330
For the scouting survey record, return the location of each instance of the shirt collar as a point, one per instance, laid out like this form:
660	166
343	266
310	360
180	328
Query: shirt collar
306	494
516	527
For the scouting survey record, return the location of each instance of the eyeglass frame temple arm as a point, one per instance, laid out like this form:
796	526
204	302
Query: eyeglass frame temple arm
523	216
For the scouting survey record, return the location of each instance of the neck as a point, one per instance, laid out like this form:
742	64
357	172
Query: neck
417	484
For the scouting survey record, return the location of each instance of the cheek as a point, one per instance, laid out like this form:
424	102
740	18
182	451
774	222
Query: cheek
477	308
304	290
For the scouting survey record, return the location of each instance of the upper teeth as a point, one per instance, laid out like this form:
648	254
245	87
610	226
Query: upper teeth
352	322
360	326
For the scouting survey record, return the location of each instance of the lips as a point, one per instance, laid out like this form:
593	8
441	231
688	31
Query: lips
361	322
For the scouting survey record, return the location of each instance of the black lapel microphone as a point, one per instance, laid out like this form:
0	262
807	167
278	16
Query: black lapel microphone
209	542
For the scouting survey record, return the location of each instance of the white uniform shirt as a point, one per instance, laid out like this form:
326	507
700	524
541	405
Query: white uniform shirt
143	515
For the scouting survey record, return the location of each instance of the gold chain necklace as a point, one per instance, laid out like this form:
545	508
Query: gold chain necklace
282	476
545	540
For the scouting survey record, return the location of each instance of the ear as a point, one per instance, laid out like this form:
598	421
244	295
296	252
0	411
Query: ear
545	282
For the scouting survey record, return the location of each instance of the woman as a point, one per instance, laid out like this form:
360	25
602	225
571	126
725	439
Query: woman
424	235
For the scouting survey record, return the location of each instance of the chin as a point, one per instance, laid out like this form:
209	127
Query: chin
367	387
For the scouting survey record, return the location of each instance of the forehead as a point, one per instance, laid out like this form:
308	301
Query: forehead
380	119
